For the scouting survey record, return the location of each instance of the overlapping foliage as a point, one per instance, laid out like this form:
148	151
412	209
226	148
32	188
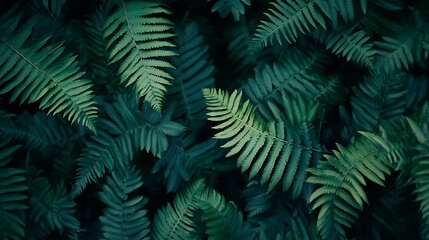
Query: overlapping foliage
214	119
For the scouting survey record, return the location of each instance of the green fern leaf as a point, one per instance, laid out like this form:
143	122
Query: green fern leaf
52	207
300	72
175	222
12	187
273	150
129	130
342	177
379	97
34	71
124	217
138	38
39	132
221	218
354	46
226	7
194	71
287	20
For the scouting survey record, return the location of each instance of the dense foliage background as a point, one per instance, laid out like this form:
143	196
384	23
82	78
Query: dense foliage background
217	119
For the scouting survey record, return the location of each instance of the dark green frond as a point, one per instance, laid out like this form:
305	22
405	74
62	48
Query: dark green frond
127	131
274	151
138	37
12	189
342	178
344	8
226	7
400	50
379	97
184	158
31	70
288	19
420	171
39	132
194	71
52	207
348	43
124	217
221	218
300	72
176	221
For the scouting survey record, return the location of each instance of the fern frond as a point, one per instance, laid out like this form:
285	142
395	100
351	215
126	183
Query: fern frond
226	7
287	20
31	70
300	72
221	218
419	170
39	132
102	73
273	150
185	158
12	189
342	178
138	37
344	8
400	50
124	217
127	131
176	222
52	207
194	71
348	43
379	97
239	37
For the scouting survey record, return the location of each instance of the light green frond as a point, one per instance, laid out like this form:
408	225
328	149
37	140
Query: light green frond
274	151
233	7
33	71
288	19
138	37
127	131
348	43
12	189
124	217
221	218
194	71
176	221
342	177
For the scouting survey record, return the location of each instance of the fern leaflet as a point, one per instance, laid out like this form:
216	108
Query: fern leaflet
138	38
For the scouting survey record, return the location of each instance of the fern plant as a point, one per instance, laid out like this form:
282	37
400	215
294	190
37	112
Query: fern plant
223	119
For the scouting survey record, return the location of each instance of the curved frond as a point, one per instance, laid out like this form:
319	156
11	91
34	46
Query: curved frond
194	71
379	97
288	19
176	221
221	218
31	70
342	177
345	42
274	150
127	131
138	37
233	7
124	217
12	189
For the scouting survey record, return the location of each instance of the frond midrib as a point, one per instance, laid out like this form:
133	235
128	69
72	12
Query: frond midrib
57	83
